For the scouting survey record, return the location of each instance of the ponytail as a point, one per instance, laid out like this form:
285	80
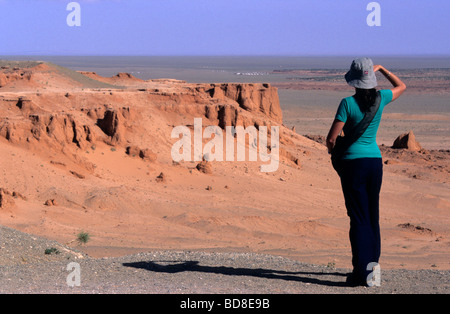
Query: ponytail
365	98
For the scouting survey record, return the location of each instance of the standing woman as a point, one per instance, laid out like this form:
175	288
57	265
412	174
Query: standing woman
361	167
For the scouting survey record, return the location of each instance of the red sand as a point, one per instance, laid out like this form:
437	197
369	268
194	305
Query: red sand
63	141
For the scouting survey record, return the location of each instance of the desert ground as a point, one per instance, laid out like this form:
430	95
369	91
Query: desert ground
82	152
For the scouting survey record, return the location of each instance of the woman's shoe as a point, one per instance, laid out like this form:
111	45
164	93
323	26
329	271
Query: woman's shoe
355	281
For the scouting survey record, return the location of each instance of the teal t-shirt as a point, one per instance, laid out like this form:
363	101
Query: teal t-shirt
349	113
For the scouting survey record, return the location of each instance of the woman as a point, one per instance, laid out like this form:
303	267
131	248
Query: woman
361	167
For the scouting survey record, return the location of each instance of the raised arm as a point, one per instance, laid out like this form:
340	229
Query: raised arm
399	86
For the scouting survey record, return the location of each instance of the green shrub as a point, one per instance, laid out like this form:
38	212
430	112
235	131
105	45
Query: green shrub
51	250
83	237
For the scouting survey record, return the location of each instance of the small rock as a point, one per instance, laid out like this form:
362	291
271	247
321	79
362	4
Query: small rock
407	141
6	199
51	202
204	167
145	154
78	175
161	178
391	162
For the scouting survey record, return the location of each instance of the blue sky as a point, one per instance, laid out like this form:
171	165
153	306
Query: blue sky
224	27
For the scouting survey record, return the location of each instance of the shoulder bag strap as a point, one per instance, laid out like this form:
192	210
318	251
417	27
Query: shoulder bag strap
359	129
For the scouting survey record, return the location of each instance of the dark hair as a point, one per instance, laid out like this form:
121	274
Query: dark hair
365	98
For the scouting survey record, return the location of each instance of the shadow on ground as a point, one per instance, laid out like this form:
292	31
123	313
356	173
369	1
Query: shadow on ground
194	266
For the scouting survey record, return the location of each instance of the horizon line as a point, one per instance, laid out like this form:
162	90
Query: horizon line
230	55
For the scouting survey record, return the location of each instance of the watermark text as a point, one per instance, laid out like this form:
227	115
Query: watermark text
74	17
374	17
213	150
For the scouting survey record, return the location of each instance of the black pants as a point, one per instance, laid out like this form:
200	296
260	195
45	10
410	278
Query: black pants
361	184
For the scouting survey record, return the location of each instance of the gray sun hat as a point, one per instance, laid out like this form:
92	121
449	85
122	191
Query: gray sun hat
361	74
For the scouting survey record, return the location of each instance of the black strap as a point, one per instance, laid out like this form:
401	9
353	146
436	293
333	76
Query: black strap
344	142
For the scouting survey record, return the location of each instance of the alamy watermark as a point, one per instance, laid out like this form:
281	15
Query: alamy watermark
374	17
73	279
374	278
213	150
74	17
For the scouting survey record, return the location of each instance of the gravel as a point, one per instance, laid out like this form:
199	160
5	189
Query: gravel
25	268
